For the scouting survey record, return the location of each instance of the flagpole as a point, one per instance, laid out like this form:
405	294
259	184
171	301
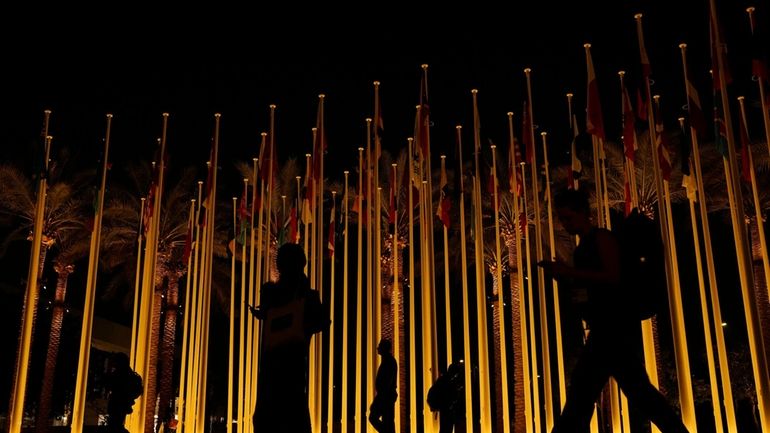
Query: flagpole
249	357
447	303
412	333
556	310
137	281
345	310
522	380
371	357
481	296
597	173
319	338
195	340
630	162
309	182
724	369
469	419
230	361
761	83
78	407
531	307
358	415
500	299
547	386
330	392
188	376
186	326
757	203
395	299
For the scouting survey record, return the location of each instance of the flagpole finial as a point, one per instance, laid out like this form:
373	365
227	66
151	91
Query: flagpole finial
474	91
298	177
200	182
307	155
543	134
376	83
394	165
740	98
656	98
164	114
255	159
314	129
443	156
368	120
527	70
638	16
334	193
216	115
458	127
492	146
750	10
109	115
587	46
263	134
346	172
622	73
682	46
272	106
424	66
47	112
321	96
360	149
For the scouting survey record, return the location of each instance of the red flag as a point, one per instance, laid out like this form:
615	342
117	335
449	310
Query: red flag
514	174
694	108
594	123
629	127
716	67
663	146
576	167
745	149
332	231
443	204
526	133
423	136
641	106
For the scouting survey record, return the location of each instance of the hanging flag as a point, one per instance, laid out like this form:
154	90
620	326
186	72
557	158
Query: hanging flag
244	213
378	128
758	49
515	185
423	136
392	205
688	180
630	141
663	146
695	110
641	106
594	123
745	149
720	128
628	203
186	251
444	205
332	230
576	167
526	134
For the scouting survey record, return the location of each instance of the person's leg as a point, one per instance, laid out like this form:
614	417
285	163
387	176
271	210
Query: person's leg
588	378
375	415
445	421
628	370
389	417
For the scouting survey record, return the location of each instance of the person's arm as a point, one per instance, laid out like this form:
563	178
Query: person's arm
609	256
316	318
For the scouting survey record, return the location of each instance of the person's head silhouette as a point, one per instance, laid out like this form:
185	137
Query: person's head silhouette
574	211
384	347
290	260
120	361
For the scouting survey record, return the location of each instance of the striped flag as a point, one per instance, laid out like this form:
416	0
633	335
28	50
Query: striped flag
594	122
576	167
332	230
444	205
630	141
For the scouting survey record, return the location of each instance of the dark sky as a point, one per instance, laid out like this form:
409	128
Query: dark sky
192	63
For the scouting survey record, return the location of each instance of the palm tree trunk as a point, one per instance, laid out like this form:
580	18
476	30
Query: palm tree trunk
519	420
497	351
760	289
43	253
151	382
167	350
54	337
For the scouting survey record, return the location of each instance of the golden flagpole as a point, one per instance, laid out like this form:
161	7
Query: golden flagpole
597	171
230	360
270	191
713	381
523	357
716	310
358	414
757	203
345	309
309	181
202	400
247	379
429	336
412	332
137	281
756	343
500	301
188	375
447	303
531	307
371	357
762	98
318	338
330	391
674	291
481	291
395	298
78	406
16	409
547	386
469	419
552	245
189	304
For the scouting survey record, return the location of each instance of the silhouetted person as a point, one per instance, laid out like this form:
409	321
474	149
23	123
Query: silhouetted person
291	313
610	349
447	396
382	410
124	387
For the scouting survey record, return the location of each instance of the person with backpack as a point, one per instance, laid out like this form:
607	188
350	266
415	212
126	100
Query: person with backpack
610	349
291	313
124	386
447	397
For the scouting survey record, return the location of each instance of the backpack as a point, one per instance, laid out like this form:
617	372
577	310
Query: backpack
642	265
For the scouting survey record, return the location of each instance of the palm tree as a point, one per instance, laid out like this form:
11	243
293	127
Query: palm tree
71	247
62	213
